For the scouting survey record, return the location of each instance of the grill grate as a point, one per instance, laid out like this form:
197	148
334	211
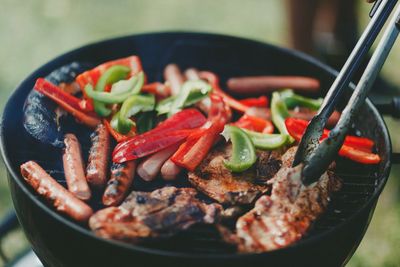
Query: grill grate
359	183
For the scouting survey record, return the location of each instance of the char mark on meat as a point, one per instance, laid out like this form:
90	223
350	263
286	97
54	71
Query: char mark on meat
146	215
216	181
285	216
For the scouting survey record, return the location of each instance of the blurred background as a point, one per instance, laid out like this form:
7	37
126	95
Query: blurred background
34	31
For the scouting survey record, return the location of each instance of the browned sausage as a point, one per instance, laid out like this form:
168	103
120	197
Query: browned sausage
263	113
121	180
63	200
298	113
174	76
96	171
268	84
150	167
308	114
170	171
74	168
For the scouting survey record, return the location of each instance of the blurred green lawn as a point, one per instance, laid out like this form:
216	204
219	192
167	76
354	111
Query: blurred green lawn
34	31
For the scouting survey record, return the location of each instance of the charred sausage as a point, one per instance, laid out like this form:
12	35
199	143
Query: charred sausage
268	84
74	168
150	167
174	76
121	180
96	171
63	200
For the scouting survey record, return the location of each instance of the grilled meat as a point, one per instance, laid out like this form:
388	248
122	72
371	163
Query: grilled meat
160	213
216	181
284	217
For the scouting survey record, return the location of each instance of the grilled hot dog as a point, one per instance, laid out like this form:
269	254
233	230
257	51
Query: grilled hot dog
96	171
121	179
74	168
174	76
268	84
63	200
149	168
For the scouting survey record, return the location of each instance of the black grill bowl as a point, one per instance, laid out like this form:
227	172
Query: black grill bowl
60	242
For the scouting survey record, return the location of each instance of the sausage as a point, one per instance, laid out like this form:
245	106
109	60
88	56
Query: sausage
74	168
298	113
150	167
174	76
122	175
205	104
263	113
170	171
63	200
192	74
268	84
308	114
99	153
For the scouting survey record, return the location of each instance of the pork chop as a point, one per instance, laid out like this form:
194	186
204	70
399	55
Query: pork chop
161	213
285	216
216	181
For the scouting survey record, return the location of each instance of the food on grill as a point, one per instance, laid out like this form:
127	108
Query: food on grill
174	77
170	171
96	171
150	167
175	130
267	84
62	200
121	179
216	181
282	218
74	168
161	213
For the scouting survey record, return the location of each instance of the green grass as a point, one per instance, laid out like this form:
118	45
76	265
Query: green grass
34	31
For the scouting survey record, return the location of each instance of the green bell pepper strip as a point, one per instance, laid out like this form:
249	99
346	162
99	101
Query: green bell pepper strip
164	106
267	141
279	113
293	100
243	151
137	82
132	106
110	76
190	93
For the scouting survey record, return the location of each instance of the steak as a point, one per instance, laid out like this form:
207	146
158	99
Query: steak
285	216
216	181
161	213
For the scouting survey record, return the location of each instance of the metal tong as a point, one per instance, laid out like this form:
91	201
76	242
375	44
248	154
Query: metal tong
317	156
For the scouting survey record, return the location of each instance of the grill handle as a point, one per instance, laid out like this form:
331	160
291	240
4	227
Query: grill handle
391	108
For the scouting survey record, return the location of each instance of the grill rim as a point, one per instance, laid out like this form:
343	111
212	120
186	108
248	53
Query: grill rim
72	55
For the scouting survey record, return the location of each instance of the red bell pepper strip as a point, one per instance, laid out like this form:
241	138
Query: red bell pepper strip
213	79
93	75
261	101
158	89
147	145
173	130
355	148
254	124
117	136
192	152
358	142
68	102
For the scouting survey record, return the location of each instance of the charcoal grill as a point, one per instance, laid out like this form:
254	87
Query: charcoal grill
59	241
